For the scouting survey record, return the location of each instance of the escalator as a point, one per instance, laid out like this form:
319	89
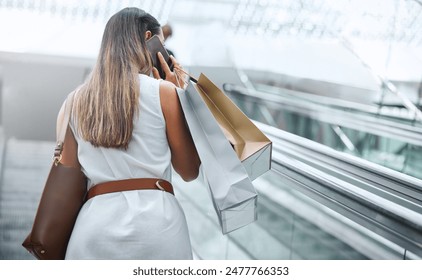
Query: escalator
366	131
315	203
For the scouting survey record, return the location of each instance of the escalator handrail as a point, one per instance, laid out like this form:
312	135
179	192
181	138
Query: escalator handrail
371	200
387	218
347	105
390	174
325	100
396	228
375	125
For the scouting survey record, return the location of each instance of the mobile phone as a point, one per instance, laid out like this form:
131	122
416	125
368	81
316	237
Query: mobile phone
154	46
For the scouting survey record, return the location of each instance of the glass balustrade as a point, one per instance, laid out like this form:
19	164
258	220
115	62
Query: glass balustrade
290	225
391	140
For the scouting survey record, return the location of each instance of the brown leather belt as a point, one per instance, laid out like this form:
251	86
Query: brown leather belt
130	185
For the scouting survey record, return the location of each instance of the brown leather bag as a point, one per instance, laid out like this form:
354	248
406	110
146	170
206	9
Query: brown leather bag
63	196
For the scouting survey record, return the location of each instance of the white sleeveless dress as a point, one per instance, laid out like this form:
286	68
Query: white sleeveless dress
141	224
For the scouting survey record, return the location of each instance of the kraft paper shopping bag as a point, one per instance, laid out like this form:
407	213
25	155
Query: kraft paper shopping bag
252	147
232	192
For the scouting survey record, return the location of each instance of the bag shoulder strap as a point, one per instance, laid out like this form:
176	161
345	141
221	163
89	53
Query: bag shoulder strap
62	127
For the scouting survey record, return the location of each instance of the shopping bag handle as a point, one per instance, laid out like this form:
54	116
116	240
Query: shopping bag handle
189	75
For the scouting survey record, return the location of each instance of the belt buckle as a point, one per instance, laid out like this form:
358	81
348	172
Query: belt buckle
157	184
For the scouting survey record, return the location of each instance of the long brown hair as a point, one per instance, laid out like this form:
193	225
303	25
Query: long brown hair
107	102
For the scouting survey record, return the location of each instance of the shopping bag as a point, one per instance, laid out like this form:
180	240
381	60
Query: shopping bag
233	195
252	147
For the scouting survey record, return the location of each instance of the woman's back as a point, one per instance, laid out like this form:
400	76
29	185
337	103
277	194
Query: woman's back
140	224
148	154
128	125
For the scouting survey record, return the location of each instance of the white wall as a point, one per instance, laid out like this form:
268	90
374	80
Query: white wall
33	89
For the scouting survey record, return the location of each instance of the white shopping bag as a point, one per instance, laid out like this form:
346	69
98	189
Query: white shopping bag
232	192
251	145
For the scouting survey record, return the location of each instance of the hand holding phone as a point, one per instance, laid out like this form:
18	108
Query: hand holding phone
155	46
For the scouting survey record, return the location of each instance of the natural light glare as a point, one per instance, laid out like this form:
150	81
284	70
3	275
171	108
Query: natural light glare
384	33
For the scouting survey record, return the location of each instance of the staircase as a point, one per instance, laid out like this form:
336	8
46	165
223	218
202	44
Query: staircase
23	174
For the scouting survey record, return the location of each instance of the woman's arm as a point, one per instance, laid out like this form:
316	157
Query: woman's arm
184	156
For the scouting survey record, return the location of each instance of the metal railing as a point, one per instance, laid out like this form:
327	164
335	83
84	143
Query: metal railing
372	211
372	124
383	200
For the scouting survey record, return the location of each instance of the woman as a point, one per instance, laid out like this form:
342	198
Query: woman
130	125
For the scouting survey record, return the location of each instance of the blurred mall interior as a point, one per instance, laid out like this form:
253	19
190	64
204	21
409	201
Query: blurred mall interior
335	84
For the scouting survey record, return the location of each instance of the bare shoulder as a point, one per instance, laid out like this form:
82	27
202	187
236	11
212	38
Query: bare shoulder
167	88
168	97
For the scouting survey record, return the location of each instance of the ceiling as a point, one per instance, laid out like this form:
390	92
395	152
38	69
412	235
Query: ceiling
385	34
393	21
61	40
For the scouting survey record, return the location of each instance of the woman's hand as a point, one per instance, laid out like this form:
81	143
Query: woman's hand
177	77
